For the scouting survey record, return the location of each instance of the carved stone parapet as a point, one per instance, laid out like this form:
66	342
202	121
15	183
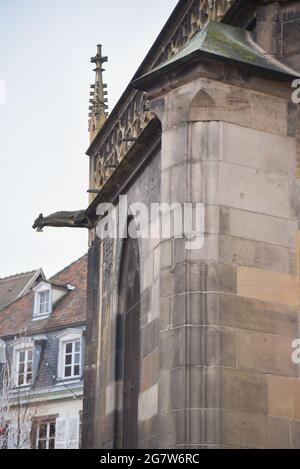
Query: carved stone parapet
135	115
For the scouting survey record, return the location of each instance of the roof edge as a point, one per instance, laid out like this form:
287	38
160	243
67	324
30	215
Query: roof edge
225	43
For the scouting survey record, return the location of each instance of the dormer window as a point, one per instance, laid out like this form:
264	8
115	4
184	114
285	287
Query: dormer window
24	367
70	355
72	359
46	296
42	301
23	353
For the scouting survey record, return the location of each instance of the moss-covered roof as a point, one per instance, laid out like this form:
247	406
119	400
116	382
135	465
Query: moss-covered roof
223	42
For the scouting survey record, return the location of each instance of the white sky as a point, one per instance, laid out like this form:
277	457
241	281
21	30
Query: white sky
45	50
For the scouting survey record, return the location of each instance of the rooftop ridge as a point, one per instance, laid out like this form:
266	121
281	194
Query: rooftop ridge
9	277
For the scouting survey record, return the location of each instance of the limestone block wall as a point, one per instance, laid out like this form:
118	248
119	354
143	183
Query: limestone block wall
230	310
217	324
256	193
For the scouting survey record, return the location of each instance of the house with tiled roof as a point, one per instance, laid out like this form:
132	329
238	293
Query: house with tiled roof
42	330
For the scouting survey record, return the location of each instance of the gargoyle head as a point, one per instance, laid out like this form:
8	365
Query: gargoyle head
38	224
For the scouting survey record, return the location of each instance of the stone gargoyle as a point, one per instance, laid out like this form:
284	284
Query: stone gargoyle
77	219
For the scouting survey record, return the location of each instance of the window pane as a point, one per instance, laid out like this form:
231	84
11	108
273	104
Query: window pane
43	431
22	357
68	371
21	379
68	359
77	346
76	370
29	378
69	347
21	368
44	296
29	357
52	430
52	443
77	358
42	444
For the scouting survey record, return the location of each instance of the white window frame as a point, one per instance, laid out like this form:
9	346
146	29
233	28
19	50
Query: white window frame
25	345
72	354
39	290
47	439
43	303
69	336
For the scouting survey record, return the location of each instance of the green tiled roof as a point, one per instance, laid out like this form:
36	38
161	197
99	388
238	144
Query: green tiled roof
223	42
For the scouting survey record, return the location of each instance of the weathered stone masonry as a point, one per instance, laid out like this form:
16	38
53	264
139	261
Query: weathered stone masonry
216	325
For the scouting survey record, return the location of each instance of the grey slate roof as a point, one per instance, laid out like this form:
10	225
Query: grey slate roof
223	42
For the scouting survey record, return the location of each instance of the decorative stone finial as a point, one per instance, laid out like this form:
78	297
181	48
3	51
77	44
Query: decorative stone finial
98	101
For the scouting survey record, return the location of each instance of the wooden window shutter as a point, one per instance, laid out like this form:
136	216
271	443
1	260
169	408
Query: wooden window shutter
61	433
73	432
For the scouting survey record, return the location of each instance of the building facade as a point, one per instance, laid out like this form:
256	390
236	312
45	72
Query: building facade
42	338
192	348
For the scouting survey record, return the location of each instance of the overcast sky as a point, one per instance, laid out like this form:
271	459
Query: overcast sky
45	50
